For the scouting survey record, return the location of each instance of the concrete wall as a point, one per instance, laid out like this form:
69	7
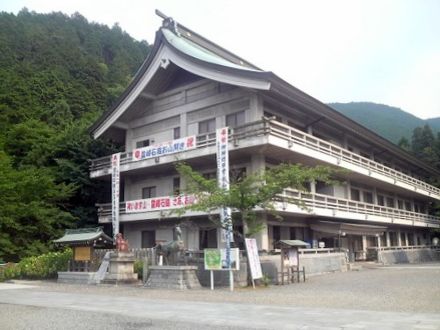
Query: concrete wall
409	256
314	264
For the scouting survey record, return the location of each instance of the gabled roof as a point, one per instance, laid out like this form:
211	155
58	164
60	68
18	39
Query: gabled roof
84	236
188	50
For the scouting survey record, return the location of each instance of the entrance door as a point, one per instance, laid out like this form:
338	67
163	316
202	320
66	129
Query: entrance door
148	238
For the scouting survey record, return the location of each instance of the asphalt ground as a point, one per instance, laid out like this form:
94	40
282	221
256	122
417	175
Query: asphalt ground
395	297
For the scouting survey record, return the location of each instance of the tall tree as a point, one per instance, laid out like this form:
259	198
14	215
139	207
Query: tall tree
249	192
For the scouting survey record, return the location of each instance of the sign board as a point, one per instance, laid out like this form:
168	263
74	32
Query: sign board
212	259
292	254
253	258
115	192
215	259
82	253
159	203
165	148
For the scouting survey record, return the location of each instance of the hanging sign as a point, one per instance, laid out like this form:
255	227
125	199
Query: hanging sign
254	259
115	192
223	182
165	148
159	203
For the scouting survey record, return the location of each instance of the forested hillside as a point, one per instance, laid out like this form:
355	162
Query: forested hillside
57	74
390	122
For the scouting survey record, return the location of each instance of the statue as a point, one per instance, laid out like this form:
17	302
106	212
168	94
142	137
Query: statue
121	243
171	251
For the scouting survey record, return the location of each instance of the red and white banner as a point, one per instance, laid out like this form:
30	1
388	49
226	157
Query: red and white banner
165	148
159	203
223	181
115	192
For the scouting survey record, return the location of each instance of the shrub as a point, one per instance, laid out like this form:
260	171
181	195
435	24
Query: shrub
139	268
39	267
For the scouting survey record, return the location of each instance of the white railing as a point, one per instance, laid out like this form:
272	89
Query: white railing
292	136
409	247
312	202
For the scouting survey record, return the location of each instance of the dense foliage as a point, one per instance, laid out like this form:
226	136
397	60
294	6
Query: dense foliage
58	73
37	267
390	122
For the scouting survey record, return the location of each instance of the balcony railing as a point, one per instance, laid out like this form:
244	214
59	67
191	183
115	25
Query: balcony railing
292	136
312	202
318	201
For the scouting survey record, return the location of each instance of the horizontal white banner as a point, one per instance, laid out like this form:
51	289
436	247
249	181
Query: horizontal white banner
165	148
159	203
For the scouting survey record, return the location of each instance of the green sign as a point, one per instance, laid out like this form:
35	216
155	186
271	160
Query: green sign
213	260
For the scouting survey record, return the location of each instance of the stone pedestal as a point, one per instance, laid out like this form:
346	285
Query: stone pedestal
173	277
121	269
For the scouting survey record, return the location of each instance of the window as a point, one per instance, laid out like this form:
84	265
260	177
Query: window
176	133
368	197
149	192
380	200
207	238
148	239
408	205
235	119
355	195
176	186
390	202
143	143
207	126
323	188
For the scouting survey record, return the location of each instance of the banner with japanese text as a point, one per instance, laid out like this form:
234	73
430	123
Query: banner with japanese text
159	203
115	192
165	148
223	182
253	258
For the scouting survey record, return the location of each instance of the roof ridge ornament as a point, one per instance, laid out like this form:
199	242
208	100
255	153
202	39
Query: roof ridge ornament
168	23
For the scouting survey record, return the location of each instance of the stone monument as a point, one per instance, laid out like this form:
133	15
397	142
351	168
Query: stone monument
121	269
173	275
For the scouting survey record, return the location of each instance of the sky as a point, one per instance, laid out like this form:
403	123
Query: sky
382	51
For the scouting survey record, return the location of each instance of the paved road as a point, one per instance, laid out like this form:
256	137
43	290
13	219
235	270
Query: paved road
143	313
395	297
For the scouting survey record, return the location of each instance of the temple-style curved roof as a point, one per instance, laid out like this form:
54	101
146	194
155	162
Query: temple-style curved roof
84	236
174	43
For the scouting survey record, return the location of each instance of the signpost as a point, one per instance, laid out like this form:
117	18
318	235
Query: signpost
115	192
223	182
215	259
254	259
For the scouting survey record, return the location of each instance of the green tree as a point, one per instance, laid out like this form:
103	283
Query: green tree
249	192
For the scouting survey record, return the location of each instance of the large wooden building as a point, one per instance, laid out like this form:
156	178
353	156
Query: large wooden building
189	87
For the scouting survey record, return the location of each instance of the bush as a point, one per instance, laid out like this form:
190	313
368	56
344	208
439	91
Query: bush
139	268
39	267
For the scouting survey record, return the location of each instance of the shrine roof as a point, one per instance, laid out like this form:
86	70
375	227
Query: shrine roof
86	236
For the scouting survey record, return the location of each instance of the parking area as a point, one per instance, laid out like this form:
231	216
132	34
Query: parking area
400	288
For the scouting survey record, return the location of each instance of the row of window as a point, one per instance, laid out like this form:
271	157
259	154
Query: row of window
205	127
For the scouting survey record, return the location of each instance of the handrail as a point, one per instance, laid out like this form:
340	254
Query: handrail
292	135
311	202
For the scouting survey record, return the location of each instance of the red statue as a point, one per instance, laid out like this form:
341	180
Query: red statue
121	243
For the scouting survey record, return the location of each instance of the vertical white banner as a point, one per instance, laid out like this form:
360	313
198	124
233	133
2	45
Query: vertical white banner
115	192
223	182
253	258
